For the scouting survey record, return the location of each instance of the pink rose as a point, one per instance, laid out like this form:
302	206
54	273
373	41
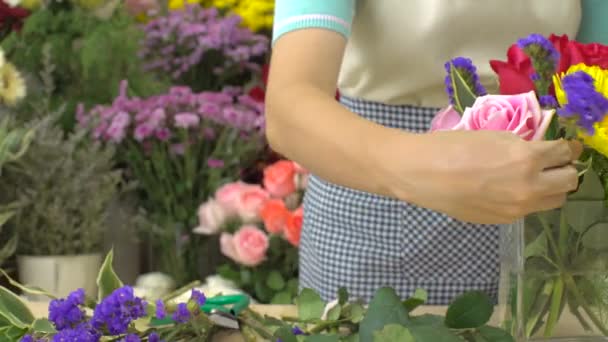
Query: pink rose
229	196
211	216
251	200
520	114
445	119
279	178
247	246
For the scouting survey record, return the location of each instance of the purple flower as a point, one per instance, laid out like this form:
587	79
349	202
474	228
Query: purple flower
28	338
143	131
130	338
468	71
66	313
76	335
178	149
163	134
548	101
186	120
583	101
154	337
297	331
198	297
160	309
181	314
541	44
116	312
215	163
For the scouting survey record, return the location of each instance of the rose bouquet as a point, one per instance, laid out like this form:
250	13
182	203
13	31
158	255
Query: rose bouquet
200	48
179	146
555	262
260	231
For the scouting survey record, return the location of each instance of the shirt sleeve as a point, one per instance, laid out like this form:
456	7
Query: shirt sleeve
334	15
594	26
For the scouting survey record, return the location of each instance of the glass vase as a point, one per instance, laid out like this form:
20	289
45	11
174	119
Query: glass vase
554	270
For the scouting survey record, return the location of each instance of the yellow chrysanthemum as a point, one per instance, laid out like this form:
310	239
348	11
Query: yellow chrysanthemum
12	85
600	77
179	4
599	140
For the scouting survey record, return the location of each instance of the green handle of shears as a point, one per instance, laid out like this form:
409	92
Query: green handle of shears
239	303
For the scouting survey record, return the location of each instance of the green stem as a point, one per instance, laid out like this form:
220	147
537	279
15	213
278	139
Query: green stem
326	325
555	307
571	286
539	309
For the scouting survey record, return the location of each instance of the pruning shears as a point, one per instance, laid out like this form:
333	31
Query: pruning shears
222	310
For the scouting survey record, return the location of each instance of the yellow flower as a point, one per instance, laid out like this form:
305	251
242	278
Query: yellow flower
179	4
600	77
12	85
599	140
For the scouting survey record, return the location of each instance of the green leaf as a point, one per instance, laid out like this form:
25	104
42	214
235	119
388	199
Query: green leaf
580	215
355	312
107	279
281	298
14	309
342	296
334	313
310	305
5	216
285	334
292	286
492	334
431	328
597	237
538	247
12	334
43	325
393	332
419	297
463	95
275	281
385	308
590	189
33	290
322	338
470	310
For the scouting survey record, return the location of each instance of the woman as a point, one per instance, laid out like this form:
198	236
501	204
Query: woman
389	206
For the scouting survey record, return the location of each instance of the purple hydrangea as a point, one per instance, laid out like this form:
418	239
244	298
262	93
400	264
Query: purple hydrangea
468	71
117	311
583	100
195	39
181	314
541	44
66	313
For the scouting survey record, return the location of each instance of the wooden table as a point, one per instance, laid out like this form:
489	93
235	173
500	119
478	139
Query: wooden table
568	324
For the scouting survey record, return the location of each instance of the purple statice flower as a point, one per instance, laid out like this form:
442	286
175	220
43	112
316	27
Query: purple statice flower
583	100
198	297
160	309
130	338
184	40
153	337
538	42
186	120
28	338
116	312
297	331
469	73
181	314
66	313
76	335
548	101
215	164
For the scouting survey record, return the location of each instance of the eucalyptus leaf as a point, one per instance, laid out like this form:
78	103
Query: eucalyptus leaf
419	297
596	237
310	305
393	332
385	308
107	279
590	189
470	310
580	215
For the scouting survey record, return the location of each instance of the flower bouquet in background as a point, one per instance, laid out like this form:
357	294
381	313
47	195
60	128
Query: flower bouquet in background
555	263
179	147
199	48
260	231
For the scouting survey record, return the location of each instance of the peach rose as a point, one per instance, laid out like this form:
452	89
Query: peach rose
293	229
211	216
520	114
275	215
247	246
229	196
279	178
251	200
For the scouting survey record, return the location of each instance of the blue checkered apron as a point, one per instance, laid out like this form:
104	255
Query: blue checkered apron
362	241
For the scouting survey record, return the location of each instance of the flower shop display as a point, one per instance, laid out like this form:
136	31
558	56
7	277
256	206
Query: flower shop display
115	313
260	229
202	49
178	146
64	187
553	262
78	42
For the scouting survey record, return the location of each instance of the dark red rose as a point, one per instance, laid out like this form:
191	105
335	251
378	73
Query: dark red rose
257	93
12	17
514	75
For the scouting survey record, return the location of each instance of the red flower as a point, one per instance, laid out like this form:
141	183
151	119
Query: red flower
11	18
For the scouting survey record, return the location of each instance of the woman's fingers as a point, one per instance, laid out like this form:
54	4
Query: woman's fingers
556	153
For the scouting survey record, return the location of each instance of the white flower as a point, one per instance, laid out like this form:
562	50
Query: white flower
13	3
12	85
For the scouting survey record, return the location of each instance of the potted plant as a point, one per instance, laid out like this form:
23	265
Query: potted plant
65	186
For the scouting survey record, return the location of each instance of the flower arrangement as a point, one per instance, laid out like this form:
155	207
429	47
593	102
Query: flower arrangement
260	229
116	314
178	146
200	48
552	88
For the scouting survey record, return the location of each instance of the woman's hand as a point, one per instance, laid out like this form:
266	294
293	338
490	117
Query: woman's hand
484	176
